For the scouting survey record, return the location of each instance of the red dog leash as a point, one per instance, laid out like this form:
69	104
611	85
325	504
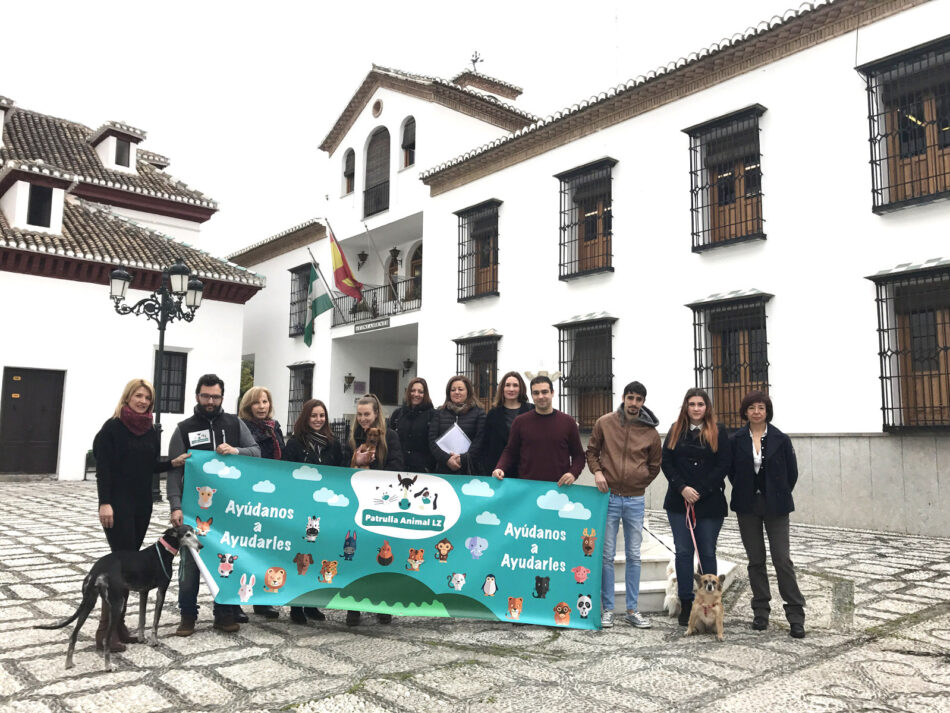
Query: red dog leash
691	524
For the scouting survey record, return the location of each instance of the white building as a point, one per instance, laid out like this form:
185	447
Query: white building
75	203
713	223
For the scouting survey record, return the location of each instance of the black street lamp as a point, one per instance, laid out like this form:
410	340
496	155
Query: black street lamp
163	306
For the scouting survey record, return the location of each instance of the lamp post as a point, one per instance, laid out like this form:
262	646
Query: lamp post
177	298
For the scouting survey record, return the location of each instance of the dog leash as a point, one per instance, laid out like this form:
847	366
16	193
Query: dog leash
691	524
160	559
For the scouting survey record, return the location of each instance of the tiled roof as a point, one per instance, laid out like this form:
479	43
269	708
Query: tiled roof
733	295
5	103
481	333
936	263
116	127
273	238
156	159
494	80
468	77
92	232
589	317
28	135
430	88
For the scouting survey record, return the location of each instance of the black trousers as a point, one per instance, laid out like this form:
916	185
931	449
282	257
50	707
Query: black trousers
776	528
130	523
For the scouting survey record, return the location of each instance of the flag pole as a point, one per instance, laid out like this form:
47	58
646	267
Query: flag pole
325	284
389	277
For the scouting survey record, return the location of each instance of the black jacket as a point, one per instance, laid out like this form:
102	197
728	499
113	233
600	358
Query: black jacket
472	423
393	451
496	438
297	452
692	463
125	464
412	426
264	439
779	467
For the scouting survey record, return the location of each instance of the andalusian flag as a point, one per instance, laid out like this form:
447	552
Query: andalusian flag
342	275
318	297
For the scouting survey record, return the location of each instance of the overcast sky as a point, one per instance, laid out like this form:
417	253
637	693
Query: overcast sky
239	95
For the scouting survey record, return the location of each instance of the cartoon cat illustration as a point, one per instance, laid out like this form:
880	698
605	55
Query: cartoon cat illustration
490	586
313	529
442	549
349	546
477	546
327	572
415	559
385	556
386	494
456	580
541	586
203	526
515	605
562	614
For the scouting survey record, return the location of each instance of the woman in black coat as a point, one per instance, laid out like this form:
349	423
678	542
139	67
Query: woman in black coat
763	474
695	460
312	442
127	451
511	400
460	408
411	423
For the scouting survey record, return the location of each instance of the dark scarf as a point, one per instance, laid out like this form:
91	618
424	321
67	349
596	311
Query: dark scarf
314	441
458	410
138	423
269	427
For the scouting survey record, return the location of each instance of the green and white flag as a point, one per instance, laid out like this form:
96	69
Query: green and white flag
319	300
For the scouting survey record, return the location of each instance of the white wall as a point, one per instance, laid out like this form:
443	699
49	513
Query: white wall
73	327
186	231
15	204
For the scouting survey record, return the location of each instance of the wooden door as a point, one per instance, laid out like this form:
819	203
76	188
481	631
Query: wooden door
30	419
593	234
392	275
739	366
483	382
486	265
924	338
918	148
415	273
735	200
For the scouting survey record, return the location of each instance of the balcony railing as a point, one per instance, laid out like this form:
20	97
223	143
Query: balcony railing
376	199
405	295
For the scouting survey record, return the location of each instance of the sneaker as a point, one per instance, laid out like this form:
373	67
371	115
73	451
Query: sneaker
226	624
797	631
634	619
606	619
186	627
352	618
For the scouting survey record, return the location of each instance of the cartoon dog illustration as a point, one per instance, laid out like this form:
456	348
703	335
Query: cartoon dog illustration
274	579
584	605
349	546
246	590
327	571
541	586
562	614
203	526
515	604
477	546
490	586
303	560
442	549
580	574
205	493
456	581
415	559
313	529
589	541
428	499
226	565
385	556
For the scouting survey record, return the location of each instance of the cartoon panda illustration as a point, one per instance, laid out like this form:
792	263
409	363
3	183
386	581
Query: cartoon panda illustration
490	586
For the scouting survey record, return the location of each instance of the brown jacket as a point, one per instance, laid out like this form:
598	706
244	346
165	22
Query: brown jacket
628	453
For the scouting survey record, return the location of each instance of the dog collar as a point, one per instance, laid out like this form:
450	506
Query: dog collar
161	541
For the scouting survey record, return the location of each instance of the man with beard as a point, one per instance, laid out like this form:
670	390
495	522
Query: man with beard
209	429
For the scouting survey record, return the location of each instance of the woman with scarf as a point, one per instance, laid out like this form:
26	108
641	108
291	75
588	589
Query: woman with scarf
257	411
312	442
460	409
127	450
511	400
411	423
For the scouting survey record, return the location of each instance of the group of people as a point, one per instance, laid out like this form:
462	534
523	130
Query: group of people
514	438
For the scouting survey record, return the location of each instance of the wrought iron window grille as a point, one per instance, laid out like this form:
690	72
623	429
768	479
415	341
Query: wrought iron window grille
299	286
174	373
376	195
301	389
725	168
913	314
349	171
477	359
909	118
730	349
585	360
586	219
409	143
341	429
478	250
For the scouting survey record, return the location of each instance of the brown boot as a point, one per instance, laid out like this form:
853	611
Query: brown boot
115	646
186	627
126	636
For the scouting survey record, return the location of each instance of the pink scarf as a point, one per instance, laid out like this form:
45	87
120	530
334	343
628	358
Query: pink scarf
138	423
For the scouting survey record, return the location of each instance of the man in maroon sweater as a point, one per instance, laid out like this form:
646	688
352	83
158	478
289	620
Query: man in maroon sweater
544	443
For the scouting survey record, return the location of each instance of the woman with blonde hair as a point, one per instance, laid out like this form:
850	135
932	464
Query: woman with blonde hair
696	457
127	451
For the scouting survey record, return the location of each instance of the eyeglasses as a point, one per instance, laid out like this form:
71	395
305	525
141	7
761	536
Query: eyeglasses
209	397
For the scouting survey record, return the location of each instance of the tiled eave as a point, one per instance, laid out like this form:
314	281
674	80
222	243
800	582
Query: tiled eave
744	52
122	197
298	236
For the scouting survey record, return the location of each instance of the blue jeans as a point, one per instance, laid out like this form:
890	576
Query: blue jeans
188	579
707	532
628	509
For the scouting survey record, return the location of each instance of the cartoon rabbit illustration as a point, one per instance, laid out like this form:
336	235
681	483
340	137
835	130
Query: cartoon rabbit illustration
247	588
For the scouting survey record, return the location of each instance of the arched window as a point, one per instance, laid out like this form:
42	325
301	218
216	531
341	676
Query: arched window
349	171
409	142
376	193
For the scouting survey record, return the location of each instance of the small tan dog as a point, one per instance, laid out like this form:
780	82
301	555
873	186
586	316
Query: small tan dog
707	609
372	440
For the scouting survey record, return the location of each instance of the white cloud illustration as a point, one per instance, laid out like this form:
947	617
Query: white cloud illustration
487	518
325	495
305	472
218	468
265	486
574	511
553	500
478	489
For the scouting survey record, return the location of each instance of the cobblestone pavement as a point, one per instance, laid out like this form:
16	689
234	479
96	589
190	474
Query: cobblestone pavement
894	658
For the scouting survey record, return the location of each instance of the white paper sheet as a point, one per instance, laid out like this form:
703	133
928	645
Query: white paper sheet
454	441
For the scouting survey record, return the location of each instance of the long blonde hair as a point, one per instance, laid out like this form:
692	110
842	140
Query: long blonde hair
381	451
130	389
251	397
708	432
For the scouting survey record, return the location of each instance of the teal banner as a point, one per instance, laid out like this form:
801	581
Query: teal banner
413	544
